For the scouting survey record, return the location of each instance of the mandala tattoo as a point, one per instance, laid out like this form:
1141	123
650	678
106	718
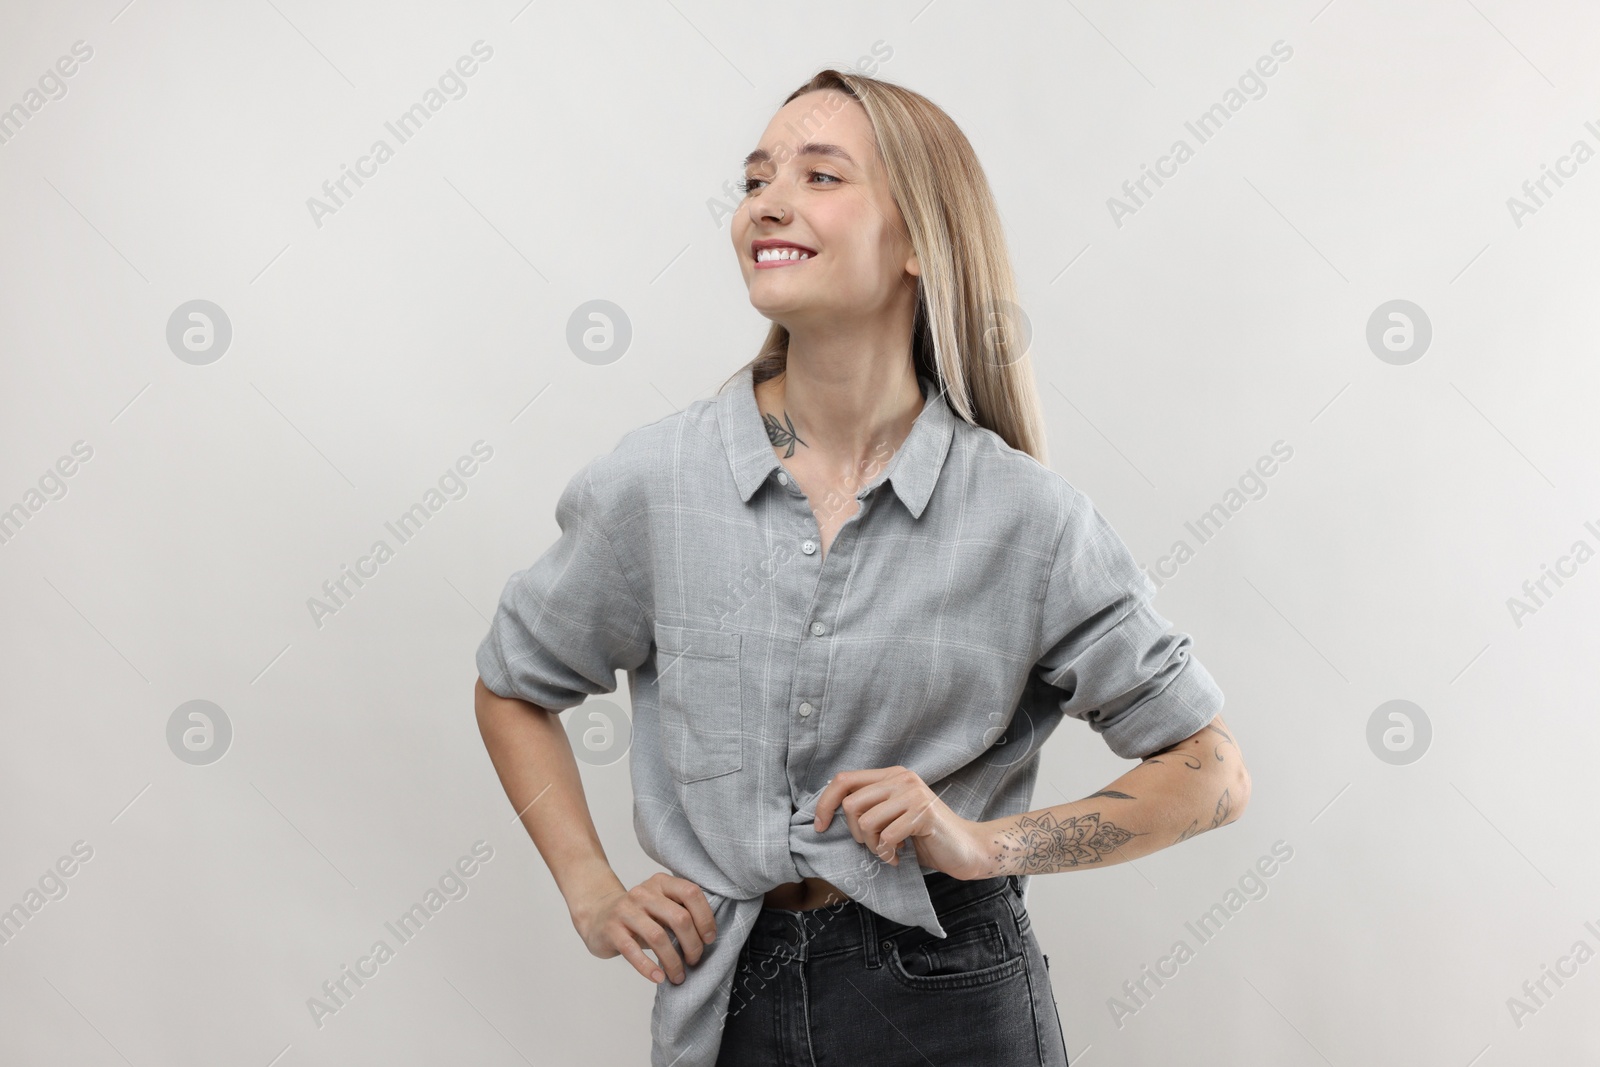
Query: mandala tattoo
1043	845
781	434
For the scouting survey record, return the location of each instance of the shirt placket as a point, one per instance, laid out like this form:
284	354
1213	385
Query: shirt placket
809	697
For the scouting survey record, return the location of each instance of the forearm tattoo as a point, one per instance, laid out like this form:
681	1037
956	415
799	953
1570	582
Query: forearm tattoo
1043	845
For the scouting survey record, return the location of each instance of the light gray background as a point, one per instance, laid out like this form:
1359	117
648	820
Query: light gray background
1172	351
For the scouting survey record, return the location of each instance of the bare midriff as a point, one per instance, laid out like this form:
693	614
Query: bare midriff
803	895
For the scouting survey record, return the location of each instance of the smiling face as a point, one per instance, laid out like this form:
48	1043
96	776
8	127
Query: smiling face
818	236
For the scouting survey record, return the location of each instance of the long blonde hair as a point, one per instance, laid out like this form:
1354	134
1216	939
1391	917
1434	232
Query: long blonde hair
967	326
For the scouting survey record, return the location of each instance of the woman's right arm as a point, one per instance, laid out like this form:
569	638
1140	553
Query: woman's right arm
530	751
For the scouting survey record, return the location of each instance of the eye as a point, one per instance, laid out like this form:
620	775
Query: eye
750	185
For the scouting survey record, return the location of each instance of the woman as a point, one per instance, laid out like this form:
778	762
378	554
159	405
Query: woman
853	603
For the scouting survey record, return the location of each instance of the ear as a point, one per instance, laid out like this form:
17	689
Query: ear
913	267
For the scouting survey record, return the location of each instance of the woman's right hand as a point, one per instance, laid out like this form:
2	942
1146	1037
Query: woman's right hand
627	921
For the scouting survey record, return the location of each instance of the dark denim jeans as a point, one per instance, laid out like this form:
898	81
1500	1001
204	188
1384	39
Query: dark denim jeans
840	986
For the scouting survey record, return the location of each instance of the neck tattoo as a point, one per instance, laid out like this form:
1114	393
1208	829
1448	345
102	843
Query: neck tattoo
782	434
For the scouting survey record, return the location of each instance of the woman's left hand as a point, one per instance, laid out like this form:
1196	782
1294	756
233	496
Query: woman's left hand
885	806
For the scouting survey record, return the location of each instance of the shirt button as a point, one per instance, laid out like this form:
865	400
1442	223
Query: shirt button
808	547
783	479
818	629
805	709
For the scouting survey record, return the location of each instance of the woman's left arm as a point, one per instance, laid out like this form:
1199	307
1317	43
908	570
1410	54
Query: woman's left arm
1196	785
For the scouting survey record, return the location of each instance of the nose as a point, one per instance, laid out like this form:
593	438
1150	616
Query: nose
769	206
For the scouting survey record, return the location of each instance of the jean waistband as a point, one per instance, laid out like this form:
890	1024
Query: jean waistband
848	924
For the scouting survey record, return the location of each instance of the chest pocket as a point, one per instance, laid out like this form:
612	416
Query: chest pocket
702	706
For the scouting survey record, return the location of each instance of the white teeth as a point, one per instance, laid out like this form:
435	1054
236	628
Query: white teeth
767	255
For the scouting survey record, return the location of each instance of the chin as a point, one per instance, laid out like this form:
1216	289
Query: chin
776	309
778	316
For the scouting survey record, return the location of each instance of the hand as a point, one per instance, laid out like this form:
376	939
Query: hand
885	806
626	921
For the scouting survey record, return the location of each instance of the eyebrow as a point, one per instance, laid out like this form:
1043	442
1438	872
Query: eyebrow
810	148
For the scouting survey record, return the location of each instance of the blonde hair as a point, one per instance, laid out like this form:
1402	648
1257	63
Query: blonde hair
965	334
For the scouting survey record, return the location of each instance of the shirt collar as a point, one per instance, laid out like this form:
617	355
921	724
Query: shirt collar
912	471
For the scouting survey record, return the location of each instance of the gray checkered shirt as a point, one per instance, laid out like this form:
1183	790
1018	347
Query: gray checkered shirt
974	599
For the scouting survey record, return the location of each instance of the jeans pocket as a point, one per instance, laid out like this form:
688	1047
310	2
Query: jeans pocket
977	953
701	701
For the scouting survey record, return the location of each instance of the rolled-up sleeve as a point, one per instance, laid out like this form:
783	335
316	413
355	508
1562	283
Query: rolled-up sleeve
1109	655
566	624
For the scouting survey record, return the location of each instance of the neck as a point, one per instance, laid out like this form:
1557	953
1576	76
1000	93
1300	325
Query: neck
842	405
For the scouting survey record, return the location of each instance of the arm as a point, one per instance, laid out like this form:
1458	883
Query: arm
532	756
1196	785
563	629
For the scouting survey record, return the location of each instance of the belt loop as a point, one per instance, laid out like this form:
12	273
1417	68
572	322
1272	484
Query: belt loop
869	936
1016	884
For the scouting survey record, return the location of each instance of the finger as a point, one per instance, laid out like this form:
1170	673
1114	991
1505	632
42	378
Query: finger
896	833
843	785
854	825
693	897
635	955
676	917
832	794
879	818
872	807
654	936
